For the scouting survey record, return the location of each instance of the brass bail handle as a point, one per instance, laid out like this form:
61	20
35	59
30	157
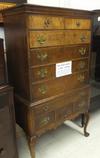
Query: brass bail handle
82	51
42	56
43	89
47	22
41	39
81	77
42	72
83	38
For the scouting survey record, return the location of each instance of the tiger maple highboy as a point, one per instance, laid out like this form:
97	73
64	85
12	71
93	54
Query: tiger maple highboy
40	42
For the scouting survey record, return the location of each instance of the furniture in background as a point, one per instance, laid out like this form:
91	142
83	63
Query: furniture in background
8	3
3	5
48	52
8	147
96	43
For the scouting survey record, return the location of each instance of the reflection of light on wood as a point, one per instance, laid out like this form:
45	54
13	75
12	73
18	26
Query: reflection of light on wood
98	18
5	5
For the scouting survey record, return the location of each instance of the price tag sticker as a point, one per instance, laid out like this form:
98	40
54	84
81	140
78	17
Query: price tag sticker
63	69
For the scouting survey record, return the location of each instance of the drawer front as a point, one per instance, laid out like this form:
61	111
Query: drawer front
77	36
49	72
44	120
54	55
52	105
45	22
77	23
5	121
7	146
62	101
46	38
59	85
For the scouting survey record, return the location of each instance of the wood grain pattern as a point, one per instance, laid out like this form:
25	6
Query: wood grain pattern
42	56
45	22
50	38
37	38
59	85
77	23
49	71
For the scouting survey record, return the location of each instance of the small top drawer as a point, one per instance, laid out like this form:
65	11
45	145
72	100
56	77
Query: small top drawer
45	22
77	24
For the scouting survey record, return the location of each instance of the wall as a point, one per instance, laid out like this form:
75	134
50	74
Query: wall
77	4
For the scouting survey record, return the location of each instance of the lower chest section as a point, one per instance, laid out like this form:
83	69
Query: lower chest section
52	113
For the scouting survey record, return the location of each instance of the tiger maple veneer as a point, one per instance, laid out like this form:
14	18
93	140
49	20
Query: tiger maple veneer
37	39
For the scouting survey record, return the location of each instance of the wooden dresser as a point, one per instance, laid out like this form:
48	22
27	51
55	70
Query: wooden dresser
8	147
48	52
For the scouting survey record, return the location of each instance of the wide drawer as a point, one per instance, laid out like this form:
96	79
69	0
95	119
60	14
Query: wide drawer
54	38
57	54
59	85
45	22
48	72
77	23
54	104
77	36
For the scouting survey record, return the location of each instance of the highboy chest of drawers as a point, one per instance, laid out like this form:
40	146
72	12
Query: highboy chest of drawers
48	52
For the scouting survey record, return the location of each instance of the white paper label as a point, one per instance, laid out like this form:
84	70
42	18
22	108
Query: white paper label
64	68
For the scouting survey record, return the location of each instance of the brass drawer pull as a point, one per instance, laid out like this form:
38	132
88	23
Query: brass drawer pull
42	72
78	24
45	108
42	56
47	22
43	89
41	40
2	151
82	64
82	51
82	38
45	121
81	77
